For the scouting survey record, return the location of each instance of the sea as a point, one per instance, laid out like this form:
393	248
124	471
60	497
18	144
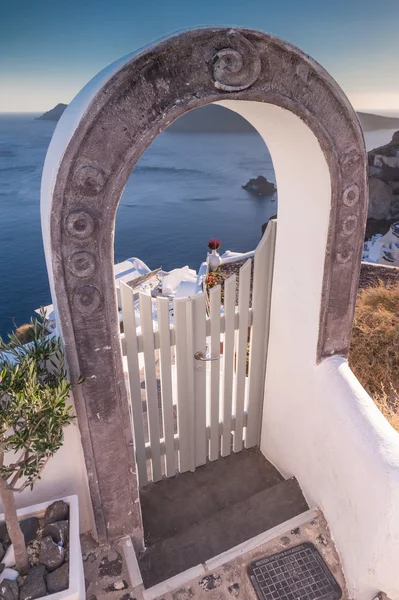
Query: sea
185	189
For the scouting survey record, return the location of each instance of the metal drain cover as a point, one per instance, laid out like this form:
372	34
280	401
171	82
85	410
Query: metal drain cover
299	573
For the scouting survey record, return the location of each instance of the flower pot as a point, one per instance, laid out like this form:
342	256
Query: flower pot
76	588
214	260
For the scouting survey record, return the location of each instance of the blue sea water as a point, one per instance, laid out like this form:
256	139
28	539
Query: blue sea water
185	189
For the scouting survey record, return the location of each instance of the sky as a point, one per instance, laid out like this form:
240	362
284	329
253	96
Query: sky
49	49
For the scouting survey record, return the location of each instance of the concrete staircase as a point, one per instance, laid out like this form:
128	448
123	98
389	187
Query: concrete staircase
196	516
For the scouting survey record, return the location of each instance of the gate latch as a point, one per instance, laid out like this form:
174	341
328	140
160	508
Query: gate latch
200	356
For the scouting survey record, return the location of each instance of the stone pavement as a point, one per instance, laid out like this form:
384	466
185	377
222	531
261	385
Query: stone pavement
107	576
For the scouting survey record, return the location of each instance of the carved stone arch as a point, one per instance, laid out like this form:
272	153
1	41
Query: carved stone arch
116	123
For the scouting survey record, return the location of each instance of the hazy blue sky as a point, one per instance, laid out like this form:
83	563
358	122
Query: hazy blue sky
49	49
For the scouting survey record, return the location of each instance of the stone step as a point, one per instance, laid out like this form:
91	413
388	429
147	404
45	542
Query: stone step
178	503
221	531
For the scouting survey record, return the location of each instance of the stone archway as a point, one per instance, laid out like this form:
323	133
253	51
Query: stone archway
97	143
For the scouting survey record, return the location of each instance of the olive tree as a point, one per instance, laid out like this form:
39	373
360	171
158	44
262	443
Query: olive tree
34	410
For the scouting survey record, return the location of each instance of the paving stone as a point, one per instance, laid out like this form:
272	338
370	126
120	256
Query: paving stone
9	590
57	511
34	585
210	582
58	531
234	589
117	586
51	555
111	568
106	574
58	580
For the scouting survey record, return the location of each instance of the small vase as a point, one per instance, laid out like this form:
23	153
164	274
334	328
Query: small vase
214	260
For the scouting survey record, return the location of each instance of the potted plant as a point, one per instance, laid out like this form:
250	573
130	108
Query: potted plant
214	258
34	410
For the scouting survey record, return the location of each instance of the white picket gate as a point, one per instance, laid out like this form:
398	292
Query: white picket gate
186	410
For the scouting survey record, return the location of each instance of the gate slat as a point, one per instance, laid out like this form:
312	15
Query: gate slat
180	315
166	384
215	303
241	352
129	326
151	384
261	298
199	318
190	381
228	361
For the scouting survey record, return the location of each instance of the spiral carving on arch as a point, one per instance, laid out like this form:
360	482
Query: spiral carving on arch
89	179
86	299
344	253
349	224
237	67
82	263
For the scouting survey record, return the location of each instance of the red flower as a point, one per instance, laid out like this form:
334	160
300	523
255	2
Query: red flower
214	244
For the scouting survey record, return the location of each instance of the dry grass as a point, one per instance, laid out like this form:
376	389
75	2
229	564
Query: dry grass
25	333
374	352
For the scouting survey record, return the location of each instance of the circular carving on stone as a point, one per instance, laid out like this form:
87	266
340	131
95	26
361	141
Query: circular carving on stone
82	263
237	67
350	161
89	179
349	224
79	224
344	253
351	195
86	299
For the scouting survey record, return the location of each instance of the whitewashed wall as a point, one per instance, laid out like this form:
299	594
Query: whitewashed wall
318	422
64	475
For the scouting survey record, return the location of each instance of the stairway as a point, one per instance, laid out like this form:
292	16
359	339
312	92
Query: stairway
193	517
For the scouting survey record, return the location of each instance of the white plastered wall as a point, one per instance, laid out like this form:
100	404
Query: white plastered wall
64	475
318	422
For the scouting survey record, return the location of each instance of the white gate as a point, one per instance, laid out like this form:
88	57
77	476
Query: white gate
200	392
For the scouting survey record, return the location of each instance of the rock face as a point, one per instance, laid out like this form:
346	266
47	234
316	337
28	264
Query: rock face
9	590
260	187
58	531
380	199
54	114
29	528
383	187
58	580
34	585
51	555
57	511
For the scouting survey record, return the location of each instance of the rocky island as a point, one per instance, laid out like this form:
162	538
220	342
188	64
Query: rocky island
54	114
260	187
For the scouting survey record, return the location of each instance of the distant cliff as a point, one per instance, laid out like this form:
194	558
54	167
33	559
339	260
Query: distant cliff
374	122
54	114
214	118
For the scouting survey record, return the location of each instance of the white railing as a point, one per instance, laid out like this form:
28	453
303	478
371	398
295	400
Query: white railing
186	411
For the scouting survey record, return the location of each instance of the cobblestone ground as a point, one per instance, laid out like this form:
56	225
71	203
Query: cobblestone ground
106	574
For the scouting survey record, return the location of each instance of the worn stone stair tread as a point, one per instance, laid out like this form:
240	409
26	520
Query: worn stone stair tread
177	503
221	531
